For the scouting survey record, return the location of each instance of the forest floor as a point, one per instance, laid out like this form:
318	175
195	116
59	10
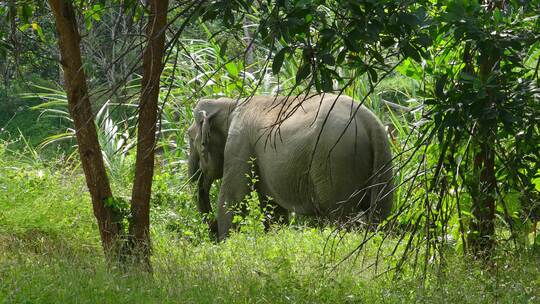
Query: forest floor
50	253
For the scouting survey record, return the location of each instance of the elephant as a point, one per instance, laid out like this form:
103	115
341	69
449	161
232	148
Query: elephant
322	155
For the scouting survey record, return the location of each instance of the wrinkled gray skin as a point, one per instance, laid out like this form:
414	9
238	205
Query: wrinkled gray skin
334	179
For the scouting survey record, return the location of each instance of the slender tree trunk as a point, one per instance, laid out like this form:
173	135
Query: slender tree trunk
482	238
83	119
146	137
13	36
483	209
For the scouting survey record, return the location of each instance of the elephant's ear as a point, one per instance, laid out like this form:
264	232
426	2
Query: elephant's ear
203	120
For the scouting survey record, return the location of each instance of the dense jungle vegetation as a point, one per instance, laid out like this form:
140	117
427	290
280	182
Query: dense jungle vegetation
455	82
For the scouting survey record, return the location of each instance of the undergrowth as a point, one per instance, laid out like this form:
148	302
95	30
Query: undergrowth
50	253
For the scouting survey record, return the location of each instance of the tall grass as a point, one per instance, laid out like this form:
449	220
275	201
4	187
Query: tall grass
50	253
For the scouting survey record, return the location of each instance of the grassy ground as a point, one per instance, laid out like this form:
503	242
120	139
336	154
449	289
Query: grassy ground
49	253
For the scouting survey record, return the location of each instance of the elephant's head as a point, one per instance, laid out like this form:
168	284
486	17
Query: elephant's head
207	138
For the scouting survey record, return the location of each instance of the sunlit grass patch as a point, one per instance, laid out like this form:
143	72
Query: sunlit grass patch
50	253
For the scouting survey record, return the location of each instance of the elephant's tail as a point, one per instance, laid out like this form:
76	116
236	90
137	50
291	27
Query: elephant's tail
381	185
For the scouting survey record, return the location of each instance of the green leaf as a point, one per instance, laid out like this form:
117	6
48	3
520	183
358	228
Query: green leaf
424	40
536	182
373	31
26	13
409	19
439	86
96	10
24	27
109	202
410	51
328	59
303	3
303	72
223	49
38	30
373	74
232	69
341	56
88	23
327	33
326	82
278	60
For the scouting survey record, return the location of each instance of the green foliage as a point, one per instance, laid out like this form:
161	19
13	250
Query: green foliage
173	207
482	92
443	62
314	30
39	197
121	208
252	221
49	253
17	117
115	136
250	215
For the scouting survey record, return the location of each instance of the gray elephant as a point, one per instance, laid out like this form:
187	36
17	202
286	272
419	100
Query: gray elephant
320	155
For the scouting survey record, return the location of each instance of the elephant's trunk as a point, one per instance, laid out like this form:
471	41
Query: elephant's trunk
203	195
203	188
203	202
193	165
203	183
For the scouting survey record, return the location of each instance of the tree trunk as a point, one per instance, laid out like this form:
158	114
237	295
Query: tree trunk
83	119
146	136
483	224
482	238
13	36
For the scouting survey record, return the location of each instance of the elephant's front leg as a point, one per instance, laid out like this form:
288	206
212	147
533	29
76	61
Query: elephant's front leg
234	185
234	188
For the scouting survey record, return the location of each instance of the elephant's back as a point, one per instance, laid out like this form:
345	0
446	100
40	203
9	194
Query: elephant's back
304	113
318	155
